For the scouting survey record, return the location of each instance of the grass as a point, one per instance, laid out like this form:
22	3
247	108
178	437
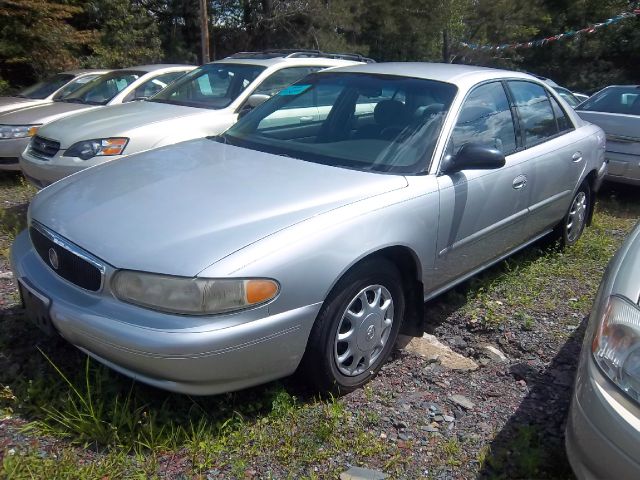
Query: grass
94	423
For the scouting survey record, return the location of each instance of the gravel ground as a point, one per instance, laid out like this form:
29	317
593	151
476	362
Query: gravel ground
503	420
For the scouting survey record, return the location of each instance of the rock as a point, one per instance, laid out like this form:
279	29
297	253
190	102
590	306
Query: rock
438	418
383	436
6	275
462	401
429	348
429	428
494	353
448	418
403	436
358	473
400	425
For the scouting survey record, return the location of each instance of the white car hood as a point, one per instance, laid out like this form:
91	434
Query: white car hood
8	104
118	120
40	114
178	209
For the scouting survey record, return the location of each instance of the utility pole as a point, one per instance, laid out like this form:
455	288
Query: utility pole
204	31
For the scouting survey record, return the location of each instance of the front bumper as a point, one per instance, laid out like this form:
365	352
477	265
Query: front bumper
43	173
10	150
603	430
623	168
192	355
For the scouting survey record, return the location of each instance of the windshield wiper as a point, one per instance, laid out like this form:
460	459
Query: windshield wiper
72	100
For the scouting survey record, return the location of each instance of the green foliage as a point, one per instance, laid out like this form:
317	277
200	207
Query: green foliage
37	37
127	34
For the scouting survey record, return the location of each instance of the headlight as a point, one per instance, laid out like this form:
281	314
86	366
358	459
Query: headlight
616	345
18	131
191	296
100	147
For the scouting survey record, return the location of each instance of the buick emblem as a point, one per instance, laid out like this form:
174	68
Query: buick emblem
53	259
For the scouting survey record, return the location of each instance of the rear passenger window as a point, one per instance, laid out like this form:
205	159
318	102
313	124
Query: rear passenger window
564	124
485	118
534	109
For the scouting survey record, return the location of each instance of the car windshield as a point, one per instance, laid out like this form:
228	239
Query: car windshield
215	85
101	90
74	85
615	100
366	122
45	88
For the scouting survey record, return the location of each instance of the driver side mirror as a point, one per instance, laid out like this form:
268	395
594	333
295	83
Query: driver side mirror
474	156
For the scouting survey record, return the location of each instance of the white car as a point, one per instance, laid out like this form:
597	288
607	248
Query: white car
118	86
46	91
205	102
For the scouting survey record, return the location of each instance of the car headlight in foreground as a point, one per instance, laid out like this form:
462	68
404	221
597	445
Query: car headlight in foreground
616	345
100	147
192	296
17	131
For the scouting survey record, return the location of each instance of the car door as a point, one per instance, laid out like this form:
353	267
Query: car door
480	210
553	155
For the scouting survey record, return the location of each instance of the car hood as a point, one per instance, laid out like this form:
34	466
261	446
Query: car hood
8	104
627	279
178	209
39	114
116	120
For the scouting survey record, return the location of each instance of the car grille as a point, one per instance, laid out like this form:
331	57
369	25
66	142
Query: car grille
8	160
43	148
69	265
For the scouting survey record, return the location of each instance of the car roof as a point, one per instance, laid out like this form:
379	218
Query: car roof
269	62
159	66
82	71
443	72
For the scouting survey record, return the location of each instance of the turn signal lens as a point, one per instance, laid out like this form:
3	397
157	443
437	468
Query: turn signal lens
258	291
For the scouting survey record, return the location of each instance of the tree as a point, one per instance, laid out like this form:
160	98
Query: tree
127	34
37	38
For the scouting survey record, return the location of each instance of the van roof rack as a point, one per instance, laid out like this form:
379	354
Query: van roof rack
300	53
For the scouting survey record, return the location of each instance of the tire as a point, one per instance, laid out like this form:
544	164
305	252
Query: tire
365	331
570	229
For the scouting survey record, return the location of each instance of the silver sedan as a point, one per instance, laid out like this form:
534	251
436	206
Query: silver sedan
605	409
306	241
616	109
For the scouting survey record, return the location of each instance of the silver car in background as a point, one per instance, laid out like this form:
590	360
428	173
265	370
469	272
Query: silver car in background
49	90
118	86
603	431
205	102
616	110
224	262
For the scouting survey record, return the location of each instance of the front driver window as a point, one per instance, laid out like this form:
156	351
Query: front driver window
485	118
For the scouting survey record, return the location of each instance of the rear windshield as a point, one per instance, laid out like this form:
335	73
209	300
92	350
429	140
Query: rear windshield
45	88
614	100
367	122
215	85
103	89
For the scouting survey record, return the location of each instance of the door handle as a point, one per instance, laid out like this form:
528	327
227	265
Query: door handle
519	182
306	119
576	157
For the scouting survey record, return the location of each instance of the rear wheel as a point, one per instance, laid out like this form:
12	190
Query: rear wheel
356	329
574	222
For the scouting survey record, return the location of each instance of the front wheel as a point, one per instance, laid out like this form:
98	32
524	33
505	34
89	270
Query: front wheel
356	328
574	222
